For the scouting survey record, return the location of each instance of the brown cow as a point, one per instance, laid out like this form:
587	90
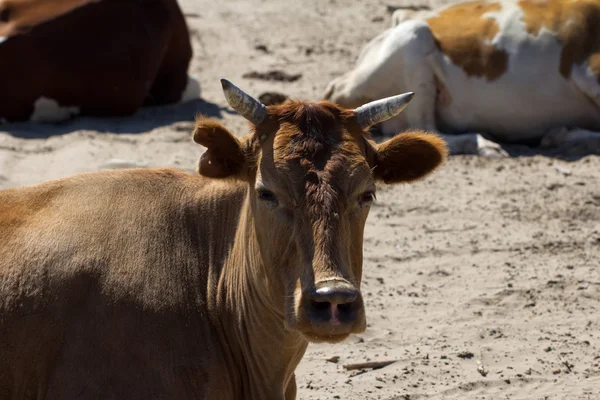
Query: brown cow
62	58
158	284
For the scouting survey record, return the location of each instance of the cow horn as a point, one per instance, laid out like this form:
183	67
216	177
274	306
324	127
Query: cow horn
381	110
244	104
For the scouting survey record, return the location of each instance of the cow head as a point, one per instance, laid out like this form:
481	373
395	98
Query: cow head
312	174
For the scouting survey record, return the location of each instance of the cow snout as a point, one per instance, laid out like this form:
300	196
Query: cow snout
333	298
333	306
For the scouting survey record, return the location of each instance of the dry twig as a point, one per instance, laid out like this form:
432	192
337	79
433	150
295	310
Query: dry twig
367	365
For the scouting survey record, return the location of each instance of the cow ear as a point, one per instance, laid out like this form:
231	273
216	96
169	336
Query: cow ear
407	157
224	156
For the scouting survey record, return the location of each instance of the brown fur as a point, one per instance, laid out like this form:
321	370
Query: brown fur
224	156
19	16
580	37
414	154
461	31
140	284
99	56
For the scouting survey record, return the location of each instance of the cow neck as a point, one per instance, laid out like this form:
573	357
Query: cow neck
269	352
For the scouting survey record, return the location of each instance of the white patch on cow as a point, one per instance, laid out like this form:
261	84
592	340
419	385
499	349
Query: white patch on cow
192	90
511	28
512	35
48	110
3	39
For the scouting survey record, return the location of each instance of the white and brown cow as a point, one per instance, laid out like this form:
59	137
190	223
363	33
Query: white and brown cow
158	284
60	58
514	69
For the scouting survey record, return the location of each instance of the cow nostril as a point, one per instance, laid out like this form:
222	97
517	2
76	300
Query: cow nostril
345	307
340	308
332	303
4	14
321	305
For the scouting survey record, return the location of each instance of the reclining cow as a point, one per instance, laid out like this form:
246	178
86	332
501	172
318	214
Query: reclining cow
61	58
158	284
514	70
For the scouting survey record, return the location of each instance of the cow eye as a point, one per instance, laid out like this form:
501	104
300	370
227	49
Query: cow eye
367	197
267	196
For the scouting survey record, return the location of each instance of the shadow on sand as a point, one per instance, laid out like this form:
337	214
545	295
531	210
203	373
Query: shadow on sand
144	120
569	151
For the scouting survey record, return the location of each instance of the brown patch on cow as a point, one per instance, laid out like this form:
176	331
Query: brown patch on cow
577	27
461	32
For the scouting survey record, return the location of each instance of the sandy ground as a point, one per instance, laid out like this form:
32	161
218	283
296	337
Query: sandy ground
488	263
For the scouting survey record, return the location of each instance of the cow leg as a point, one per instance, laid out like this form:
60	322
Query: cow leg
473	143
572	141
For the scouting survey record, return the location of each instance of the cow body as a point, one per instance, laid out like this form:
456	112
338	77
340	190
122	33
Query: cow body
110	287
513	69
105	58
159	284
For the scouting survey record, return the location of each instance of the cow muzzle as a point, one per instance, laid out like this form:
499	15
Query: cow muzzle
334	309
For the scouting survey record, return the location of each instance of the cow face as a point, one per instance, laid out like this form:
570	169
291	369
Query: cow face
311	174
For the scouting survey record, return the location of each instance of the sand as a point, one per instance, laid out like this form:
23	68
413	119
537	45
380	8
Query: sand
482	280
